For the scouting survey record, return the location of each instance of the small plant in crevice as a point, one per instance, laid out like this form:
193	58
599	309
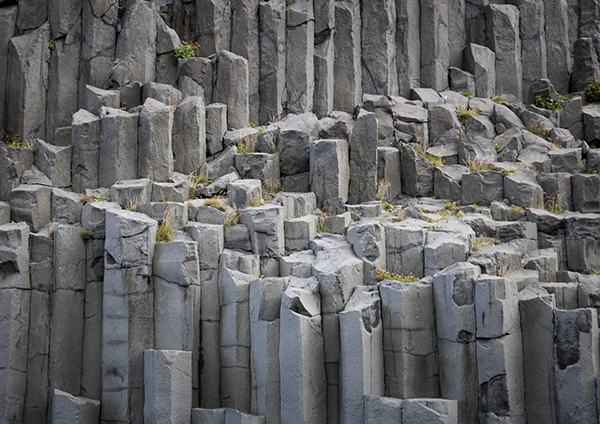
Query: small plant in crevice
16	142
464	113
592	91
132	204
52	227
256	202
231	219
507	171
590	171
554	204
467	94
246	146
86	235
387	206
435	161
547	102
165	232
186	50
382	189
498	99
477	165
217	202
387	275
321	226
51	45
85	198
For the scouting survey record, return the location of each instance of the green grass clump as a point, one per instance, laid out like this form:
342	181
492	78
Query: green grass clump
590	171
435	161
498	99
165	232
386	275
217	202
476	165
467	94
508	171
464	113
246	147
186	50
547	102
592	91
86	235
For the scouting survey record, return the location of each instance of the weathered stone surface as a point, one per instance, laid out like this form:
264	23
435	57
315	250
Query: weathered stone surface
300	49
522	189
566	160
118	146
265	224
586	60
131	193
348	68
388	172
85	138
299	232
189	136
582	242
28	64
435	52
482	187
167	386
31	204
417	172
447	181
404	249
533	44
557	43
586	193
297	134
54	162
368	242
8	20
363	154
67	408
481	62
475	148
410	360
361	343
242	193
329	169
155	152
443	249
231	88
260	166
384	410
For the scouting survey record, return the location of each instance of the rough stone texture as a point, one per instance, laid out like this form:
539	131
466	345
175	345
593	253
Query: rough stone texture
368	242
265	224
329	169
167	384
417	172
155	152
189	136
533	44
586	193
348	68
522	189
410	359
297	134
215	126
67	408
582	242
404	249
482	187
557	43
8	19
435	52
300	49
481	62
447	181
231	88
31	204
118	146
363	154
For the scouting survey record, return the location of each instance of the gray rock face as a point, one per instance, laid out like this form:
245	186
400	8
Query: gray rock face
582	242
557	42
435	53
189	136
85	140
481	62
330	173
265	224
404	249
523	189
447	181
417	172
231	88
31	204
297	133
299	61
566	160
54	162
28	64
586	193
67	408
482	187
503	38
586	59
533	44
348	69
272	59
378	37
388	171
368	242
8	19
118	146
363	154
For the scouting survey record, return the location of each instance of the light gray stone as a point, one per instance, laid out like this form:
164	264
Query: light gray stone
231	88
522	189
67	408
31	204
330	172
265	224
155	151
348	68
482	187
118	154
368	242
586	193
242	193
435	51
299	56
566	160
167	386
85	139
429	410
443	249
363	154
447	181
189	136
131	193
481	62
417	172
404	249
299	232
384	410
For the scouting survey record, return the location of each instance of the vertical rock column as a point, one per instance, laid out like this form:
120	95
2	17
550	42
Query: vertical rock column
408	45
409	340
234	295
231	88
338	271
93	218
210	245
85	143
118	151
378	47
28	63
324	57
435	50
576	364
533	43
454	299
67	321
41	276
499	350
177	299
457	31
537	326
502	21
272	18
127	314
8	19
363	159
155	151
265	308
347	68
189	135
302	369
213	26
557	43
244	42
14	319
361	366
329	172
300	46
